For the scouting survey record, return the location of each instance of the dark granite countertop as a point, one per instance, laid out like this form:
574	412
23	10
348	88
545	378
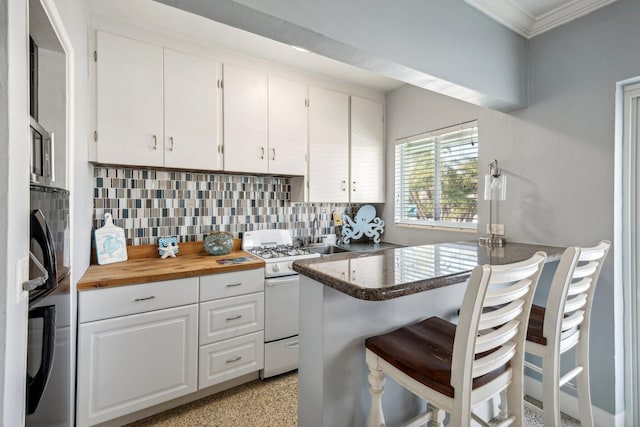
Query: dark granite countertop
392	273
368	246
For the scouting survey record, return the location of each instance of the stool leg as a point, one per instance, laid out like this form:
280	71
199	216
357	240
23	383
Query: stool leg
582	384
550	388
437	419
503	409
376	388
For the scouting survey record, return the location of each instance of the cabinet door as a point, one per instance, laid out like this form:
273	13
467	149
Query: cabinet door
191	112
245	120
287	127
133	362
328	146
129	102
367	151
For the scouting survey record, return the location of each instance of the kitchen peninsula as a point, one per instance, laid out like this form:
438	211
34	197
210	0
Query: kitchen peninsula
347	297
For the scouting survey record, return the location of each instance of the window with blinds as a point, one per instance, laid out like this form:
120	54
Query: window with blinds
437	178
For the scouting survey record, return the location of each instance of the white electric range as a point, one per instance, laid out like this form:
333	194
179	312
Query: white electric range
281	284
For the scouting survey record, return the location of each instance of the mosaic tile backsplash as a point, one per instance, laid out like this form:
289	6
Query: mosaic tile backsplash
150	204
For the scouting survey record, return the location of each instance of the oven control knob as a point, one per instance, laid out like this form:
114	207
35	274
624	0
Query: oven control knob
275	268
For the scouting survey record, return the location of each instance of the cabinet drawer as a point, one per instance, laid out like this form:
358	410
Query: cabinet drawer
229	359
231	317
224	285
123	300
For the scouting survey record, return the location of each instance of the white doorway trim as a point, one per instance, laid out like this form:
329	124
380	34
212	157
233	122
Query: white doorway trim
626	225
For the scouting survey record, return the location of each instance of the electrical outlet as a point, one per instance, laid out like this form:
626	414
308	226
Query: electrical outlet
22	274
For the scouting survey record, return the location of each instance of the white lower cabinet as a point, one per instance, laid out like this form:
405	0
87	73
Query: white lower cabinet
132	362
230	358
142	345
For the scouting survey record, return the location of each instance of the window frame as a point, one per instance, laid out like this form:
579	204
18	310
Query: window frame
400	202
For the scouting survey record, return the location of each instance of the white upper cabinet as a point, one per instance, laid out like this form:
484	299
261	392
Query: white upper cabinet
328	146
288	126
159	107
190	111
265	123
246	140
155	106
367	151
129	102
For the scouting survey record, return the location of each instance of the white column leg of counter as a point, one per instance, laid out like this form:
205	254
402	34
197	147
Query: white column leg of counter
332	376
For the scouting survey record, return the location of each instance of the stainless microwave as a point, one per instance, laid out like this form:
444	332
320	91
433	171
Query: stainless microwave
41	154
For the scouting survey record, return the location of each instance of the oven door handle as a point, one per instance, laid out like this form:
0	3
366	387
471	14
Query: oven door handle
281	281
37	384
41	234
32	284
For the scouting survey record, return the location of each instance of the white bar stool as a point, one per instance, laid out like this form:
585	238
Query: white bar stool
564	324
455	368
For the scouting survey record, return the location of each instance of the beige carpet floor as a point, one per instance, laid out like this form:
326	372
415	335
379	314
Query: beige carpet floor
270	403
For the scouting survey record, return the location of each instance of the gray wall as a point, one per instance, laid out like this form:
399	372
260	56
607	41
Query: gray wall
445	46
558	154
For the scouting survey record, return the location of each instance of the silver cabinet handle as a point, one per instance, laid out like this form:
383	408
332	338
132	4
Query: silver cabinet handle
170	143
274	154
294	344
234	317
234	359
233	284
354	186
344	185
155	142
144	299
261	153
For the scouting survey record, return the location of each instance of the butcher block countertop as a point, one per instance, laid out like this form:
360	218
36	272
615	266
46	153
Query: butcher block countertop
144	265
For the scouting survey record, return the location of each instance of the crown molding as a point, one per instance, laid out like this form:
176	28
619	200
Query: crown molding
514	14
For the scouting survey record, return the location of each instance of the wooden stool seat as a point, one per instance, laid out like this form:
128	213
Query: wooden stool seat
536	322
424	352
536	327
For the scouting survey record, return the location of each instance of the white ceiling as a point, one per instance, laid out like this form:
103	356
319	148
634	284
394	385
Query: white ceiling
532	17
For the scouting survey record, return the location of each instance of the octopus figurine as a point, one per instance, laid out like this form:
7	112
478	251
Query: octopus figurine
366	223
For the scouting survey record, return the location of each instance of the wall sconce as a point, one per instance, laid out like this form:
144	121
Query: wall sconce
495	188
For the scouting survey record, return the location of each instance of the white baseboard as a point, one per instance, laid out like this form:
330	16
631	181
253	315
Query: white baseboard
569	405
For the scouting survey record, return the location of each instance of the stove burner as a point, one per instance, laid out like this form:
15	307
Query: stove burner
279	251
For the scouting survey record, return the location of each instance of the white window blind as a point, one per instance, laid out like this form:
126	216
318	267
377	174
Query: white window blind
437	177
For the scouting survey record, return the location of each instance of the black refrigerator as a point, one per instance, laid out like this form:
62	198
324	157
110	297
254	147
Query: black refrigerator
49	384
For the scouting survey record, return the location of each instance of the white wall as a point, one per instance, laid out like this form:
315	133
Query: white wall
74	15
14	209
558	154
14	185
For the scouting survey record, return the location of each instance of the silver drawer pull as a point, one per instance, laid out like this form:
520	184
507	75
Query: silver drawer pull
234	360
234	317
230	285
294	344
144	299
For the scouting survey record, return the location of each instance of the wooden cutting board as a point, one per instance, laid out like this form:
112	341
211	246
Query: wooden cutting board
110	243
